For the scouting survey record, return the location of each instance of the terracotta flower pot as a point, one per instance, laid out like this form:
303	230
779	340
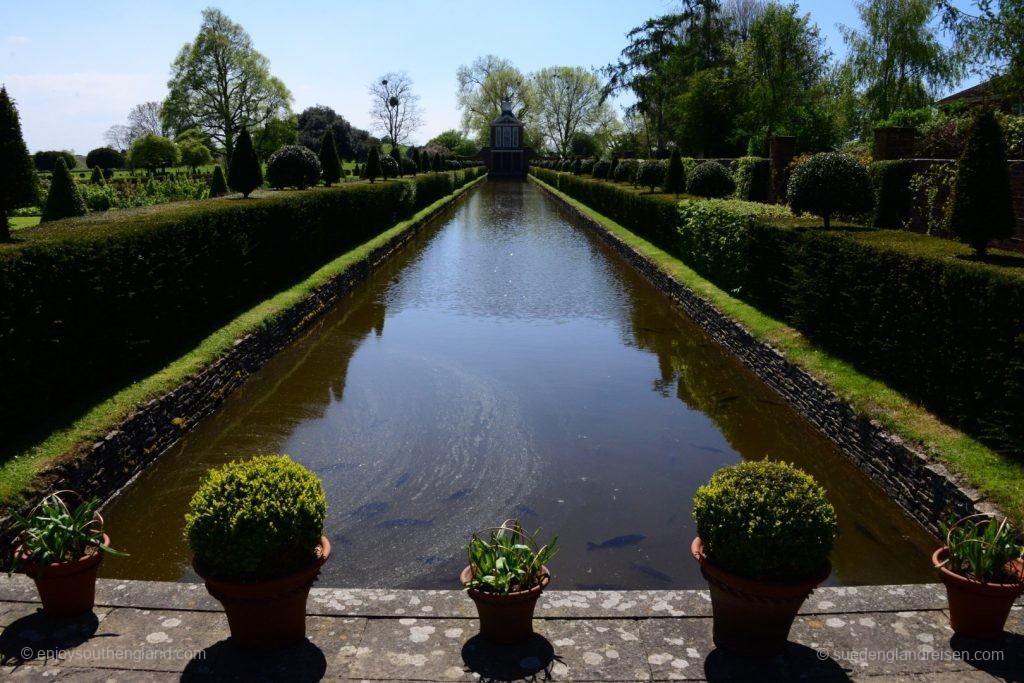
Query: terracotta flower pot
506	617
67	589
977	609
752	617
267	614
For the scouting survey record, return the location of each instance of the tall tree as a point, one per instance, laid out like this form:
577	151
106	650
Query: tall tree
395	108
483	86
740	16
898	58
992	35
17	174
221	84
569	100
145	118
783	61
275	135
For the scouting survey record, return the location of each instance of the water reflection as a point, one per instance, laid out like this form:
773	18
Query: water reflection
525	371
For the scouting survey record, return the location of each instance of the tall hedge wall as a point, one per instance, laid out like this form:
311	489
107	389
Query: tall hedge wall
946	333
88	305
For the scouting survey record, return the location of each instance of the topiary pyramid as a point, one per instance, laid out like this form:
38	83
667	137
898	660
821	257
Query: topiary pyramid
675	177
244	172
396	154
17	172
218	187
982	201
330	164
64	200
373	170
97	176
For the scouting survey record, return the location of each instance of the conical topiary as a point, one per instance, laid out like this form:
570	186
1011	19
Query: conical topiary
17	172
64	199
373	170
218	188
244	172
97	176
675	177
438	162
416	160
982	199
424	161
615	164
577	166
330	164
396	154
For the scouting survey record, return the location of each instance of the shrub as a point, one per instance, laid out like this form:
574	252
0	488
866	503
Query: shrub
612	167
46	161
218	186
675	176
104	157
982	201
752	176
388	167
153	151
96	177
97	197
409	166
64	200
245	173
586	167
293	166
827	184
892	192
650	173
422	161
256	520
710	179
509	560
601	168
437	162
625	171
765	521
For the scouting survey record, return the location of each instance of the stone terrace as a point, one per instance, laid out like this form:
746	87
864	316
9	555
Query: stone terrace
885	633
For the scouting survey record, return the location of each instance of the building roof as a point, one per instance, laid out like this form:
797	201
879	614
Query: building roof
506	117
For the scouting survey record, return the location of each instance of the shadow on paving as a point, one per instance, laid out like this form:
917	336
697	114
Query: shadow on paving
1002	657
529	660
32	637
224	661
797	662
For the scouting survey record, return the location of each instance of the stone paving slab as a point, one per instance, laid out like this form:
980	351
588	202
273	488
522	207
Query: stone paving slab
881	633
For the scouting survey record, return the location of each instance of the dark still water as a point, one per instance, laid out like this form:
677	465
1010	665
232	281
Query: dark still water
508	364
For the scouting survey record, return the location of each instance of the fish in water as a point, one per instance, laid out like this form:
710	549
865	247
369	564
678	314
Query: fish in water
461	493
523	510
370	509
429	559
401	480
336	467
617	542
651	572
726	399
403	523
866	532
709	449
599	587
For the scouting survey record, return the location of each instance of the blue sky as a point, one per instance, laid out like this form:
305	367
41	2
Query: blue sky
76	68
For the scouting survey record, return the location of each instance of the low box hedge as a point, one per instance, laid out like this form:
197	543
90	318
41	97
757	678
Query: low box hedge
914	311
89	305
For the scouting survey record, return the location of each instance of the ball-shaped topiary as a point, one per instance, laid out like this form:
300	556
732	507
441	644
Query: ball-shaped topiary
601	168
105	158
388	166
409	166
650	173
710	179
625	171
256	520
293	166
830	183
765	521
63	200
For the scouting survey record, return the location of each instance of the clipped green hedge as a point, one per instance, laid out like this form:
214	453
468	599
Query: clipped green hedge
88	305
753	176
893	196
943	330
